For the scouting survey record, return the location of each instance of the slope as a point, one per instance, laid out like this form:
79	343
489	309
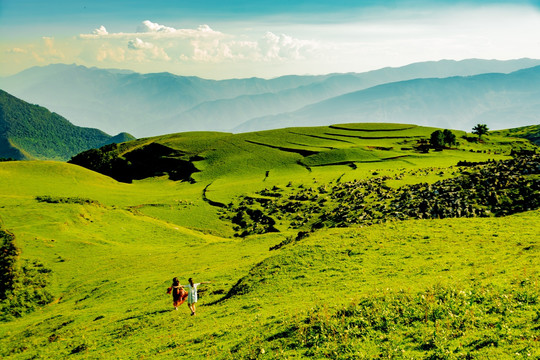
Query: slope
110	267
456	102
32	132
208	157
96	245
414	288
531	133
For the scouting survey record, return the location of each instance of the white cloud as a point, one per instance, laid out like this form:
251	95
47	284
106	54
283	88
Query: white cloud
269	48
145	50
150	27
360	40
101	31
138	44
205	29
204	44
285	47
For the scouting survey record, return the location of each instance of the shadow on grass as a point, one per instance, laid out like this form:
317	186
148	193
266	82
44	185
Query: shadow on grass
145	314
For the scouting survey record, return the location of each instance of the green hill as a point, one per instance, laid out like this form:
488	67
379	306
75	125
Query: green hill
208	156
101	253
32	132
531	133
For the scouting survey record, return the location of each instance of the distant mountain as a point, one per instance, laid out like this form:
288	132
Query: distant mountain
498	100
33	132
154	104
118	101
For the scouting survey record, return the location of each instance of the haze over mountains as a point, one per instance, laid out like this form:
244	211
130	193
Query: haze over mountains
449	94
500	100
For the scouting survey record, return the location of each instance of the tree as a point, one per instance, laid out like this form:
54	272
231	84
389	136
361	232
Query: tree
437	139
480	129
449	137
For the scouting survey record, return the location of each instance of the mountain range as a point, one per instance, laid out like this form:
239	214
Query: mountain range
442	94
30	132
500	100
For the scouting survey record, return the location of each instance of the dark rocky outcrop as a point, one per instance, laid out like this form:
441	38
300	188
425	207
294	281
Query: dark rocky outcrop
146	161
496	188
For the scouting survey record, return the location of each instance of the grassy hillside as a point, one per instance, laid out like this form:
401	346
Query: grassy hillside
531	133
432	288
205	156
33	132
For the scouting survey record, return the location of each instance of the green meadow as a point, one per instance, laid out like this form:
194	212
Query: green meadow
105	251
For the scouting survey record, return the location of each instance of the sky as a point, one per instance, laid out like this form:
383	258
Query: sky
218	39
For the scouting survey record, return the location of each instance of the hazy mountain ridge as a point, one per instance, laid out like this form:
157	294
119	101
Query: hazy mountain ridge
500	100
117	101
153	104
33	132
226	114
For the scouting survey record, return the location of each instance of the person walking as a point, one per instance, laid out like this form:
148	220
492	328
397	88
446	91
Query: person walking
179	294
192	294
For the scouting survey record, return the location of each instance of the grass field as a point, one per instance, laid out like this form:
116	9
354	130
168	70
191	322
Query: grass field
439	289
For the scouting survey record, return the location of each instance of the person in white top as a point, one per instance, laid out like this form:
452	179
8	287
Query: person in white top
192	294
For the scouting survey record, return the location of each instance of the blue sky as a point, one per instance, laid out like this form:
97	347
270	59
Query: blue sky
223	39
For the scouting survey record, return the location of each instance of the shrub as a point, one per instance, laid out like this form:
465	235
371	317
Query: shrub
23	286
8	259
438	323
65	200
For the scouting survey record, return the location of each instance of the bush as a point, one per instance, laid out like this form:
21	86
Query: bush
23	286
8	259
65	200
438	323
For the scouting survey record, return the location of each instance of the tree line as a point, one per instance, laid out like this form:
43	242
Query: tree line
441	138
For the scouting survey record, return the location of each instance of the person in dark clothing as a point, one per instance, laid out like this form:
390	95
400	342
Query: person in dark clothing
179	294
